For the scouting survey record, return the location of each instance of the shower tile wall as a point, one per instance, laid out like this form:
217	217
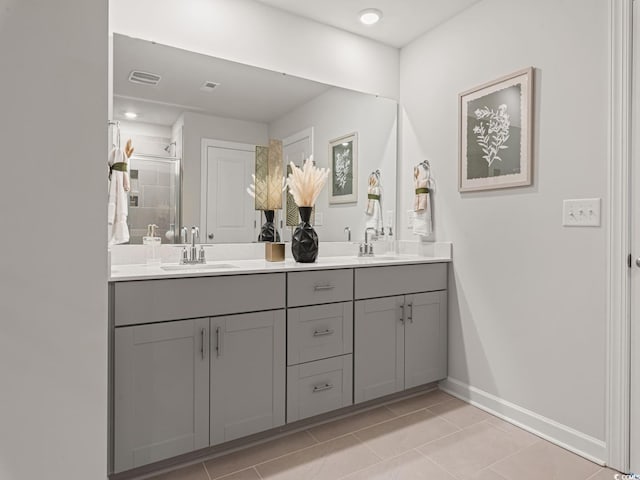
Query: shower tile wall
152	197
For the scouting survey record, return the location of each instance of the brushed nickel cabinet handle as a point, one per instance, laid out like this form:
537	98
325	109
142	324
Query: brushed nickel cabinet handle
410	318
319	288
202	333
322	388
218	342
322	333
403	312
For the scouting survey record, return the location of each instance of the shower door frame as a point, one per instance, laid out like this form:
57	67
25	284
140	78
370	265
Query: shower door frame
176	161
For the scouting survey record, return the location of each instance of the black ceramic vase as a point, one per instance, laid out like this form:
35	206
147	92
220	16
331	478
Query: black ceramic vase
304	244
268	232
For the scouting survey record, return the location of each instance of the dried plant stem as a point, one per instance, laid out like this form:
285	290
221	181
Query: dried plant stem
306	184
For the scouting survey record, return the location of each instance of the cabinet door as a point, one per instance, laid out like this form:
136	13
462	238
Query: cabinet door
425	338
161	388
247	374
379	348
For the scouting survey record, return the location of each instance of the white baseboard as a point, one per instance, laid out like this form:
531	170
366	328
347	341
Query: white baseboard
566	437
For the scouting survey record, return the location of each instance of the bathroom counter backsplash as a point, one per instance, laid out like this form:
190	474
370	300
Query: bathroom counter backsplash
129	262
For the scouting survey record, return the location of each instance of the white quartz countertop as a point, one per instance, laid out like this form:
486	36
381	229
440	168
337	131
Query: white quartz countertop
125	273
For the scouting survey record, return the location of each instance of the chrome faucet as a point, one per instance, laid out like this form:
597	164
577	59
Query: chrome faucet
366	248
192	255
195	235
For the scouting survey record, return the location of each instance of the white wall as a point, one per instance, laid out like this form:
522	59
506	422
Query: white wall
146	138
336	113
176	136
53	300
196	127
145	129
250	32
527	301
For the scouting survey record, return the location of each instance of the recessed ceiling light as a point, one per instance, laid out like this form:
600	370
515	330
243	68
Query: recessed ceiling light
131	115
370	16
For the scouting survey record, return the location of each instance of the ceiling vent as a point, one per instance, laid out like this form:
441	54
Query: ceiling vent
144	78
209	86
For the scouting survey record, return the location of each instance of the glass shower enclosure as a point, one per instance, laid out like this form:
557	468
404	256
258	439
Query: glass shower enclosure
154	197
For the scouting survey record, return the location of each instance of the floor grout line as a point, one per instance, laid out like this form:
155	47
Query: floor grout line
299	450
257	472
603	469
597	473
382	460
450	423
509	456
368	447
364	428
418	409
312	435
206	471
260	463
437	464
353	433
386	407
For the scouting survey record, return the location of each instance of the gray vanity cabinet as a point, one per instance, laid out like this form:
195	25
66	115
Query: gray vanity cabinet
319	342
378	348
247	374
257	351
400	340
400	343
161	397
425	338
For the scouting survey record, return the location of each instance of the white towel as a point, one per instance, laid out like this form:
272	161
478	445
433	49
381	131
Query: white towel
118	209
422	221
374	208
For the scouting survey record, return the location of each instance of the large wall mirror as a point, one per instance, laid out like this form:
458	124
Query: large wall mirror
198	120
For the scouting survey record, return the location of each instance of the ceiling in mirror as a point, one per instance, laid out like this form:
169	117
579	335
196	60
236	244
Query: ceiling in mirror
243	92
402	21
195	150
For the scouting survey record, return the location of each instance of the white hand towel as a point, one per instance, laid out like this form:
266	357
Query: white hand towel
422	221
117	207
374	208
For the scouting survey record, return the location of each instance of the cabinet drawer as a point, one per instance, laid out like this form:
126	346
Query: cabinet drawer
322	286
373	282
173	299
319	387
318	332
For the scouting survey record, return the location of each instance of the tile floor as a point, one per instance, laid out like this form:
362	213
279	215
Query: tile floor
432	436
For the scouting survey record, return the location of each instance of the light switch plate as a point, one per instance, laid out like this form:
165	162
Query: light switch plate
319	219
583	212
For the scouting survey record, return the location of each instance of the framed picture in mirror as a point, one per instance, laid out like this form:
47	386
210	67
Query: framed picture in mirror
496	128
343	157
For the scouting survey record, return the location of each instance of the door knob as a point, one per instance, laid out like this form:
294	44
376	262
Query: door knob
210	236
638	262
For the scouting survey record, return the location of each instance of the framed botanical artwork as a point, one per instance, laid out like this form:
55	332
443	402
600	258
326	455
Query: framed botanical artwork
343	158
496	130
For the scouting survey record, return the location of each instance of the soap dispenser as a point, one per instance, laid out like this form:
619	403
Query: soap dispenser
153	243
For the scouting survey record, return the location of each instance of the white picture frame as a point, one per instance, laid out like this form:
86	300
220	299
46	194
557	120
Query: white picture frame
496	133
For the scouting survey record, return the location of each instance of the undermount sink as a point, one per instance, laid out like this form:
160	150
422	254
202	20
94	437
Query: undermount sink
380	257
198	266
